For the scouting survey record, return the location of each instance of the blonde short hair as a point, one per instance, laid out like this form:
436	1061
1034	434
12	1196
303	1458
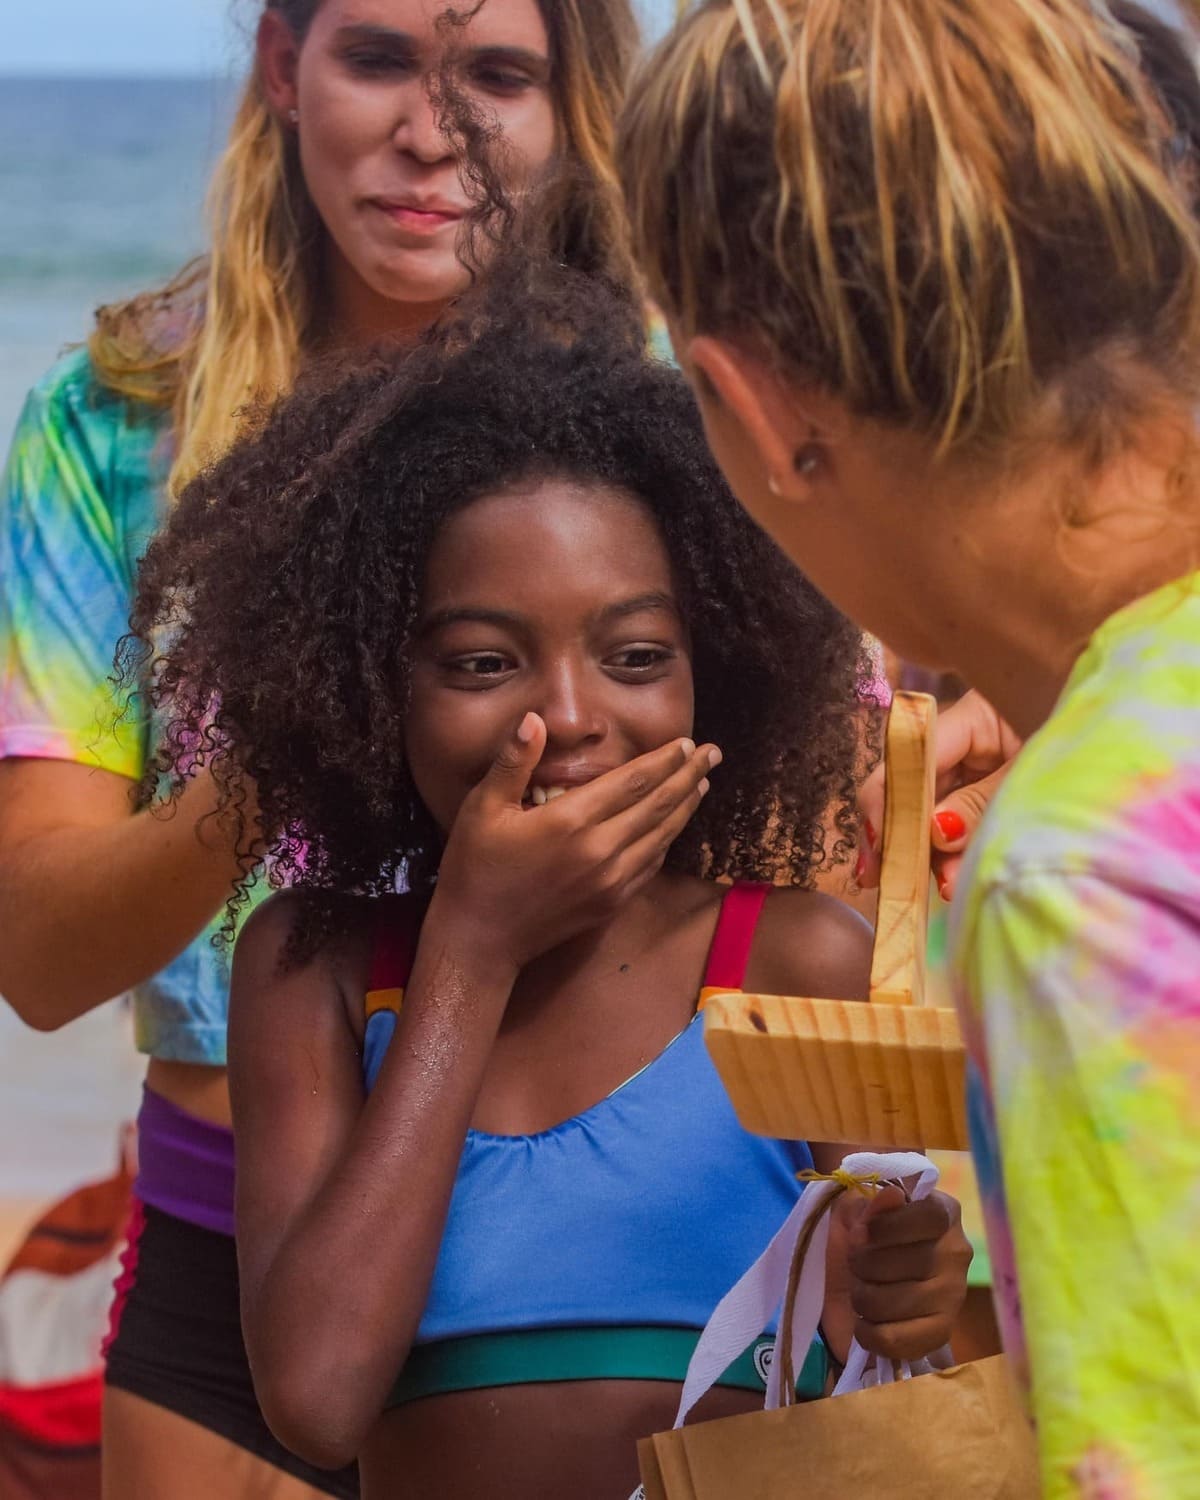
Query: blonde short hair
956	215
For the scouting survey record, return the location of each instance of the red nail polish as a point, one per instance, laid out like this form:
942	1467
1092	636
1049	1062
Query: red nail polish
951	825
869	830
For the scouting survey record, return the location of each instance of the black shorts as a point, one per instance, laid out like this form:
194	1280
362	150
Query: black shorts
176	1340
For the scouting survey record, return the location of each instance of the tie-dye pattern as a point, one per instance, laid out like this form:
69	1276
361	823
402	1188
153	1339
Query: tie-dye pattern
1077	972
81	496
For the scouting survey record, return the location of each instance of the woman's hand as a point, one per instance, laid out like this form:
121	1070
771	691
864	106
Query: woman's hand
975	748
897	1273
515	881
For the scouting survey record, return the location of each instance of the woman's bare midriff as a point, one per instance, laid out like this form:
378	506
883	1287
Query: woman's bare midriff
577	1439
200	1091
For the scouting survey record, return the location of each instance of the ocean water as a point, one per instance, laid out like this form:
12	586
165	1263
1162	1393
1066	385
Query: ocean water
101	192
101	189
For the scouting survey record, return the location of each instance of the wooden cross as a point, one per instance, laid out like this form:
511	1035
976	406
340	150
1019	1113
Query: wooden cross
889	1072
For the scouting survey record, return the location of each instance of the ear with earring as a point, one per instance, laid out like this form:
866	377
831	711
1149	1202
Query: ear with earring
806	463
293	117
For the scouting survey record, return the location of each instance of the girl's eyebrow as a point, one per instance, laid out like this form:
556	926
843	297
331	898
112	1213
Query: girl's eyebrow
441	618
365	33
656	600
507	620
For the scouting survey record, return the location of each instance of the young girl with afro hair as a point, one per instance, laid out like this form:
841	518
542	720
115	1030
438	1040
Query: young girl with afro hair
545	738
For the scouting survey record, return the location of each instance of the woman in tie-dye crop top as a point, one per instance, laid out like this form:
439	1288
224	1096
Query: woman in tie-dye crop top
83	494
958	381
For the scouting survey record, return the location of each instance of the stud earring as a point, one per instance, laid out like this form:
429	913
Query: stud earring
293	116
807	461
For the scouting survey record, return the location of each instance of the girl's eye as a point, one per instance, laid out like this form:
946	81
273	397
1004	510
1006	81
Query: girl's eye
480	665
641	661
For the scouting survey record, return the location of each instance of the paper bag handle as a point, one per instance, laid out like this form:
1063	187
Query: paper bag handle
785	1341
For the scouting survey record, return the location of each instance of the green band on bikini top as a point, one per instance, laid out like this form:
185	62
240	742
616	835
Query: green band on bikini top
531	1356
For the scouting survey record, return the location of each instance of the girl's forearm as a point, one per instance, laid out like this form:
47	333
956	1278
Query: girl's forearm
340	1305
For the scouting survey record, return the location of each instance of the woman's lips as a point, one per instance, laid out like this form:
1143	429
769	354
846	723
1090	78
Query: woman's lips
418	219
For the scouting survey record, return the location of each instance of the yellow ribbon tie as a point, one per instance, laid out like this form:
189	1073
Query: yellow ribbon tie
851	1183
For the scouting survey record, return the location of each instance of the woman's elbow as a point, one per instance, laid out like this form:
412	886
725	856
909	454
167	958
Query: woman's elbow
44	1000
37	1008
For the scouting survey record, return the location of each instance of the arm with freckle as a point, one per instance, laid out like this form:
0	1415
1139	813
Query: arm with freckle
341	1202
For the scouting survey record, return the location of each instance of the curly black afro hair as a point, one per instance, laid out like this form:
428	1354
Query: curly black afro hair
275	613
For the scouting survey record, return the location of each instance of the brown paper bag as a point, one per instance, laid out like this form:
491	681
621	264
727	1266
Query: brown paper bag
957	1434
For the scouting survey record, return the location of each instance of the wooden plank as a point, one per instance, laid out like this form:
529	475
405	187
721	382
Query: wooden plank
837	1070
898	962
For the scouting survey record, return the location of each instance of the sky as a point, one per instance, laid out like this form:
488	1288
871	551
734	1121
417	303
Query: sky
156	37
146	37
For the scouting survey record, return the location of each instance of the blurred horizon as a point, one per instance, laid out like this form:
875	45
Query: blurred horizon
128	39
189	39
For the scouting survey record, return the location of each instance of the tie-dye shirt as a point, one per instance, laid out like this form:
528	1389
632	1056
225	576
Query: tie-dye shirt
1077	969
80	498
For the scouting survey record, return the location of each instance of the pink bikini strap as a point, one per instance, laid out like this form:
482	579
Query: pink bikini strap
730	951
397	927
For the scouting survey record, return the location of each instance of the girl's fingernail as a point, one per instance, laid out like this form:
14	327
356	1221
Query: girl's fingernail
703	787
951	825
688	747
527	728
943	889
715	757
869	830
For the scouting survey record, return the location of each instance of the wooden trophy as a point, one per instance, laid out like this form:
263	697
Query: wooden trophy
888	1073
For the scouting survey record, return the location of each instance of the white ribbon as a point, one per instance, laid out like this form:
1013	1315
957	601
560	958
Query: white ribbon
745	1310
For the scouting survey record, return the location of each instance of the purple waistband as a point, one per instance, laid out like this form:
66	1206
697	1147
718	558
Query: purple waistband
185	1165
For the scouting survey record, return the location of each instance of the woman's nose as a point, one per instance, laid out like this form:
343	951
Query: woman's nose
420	123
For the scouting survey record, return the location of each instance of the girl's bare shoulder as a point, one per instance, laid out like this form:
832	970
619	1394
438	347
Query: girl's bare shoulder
275	955
812	944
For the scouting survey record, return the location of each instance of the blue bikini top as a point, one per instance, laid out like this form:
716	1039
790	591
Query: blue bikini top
640	1213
